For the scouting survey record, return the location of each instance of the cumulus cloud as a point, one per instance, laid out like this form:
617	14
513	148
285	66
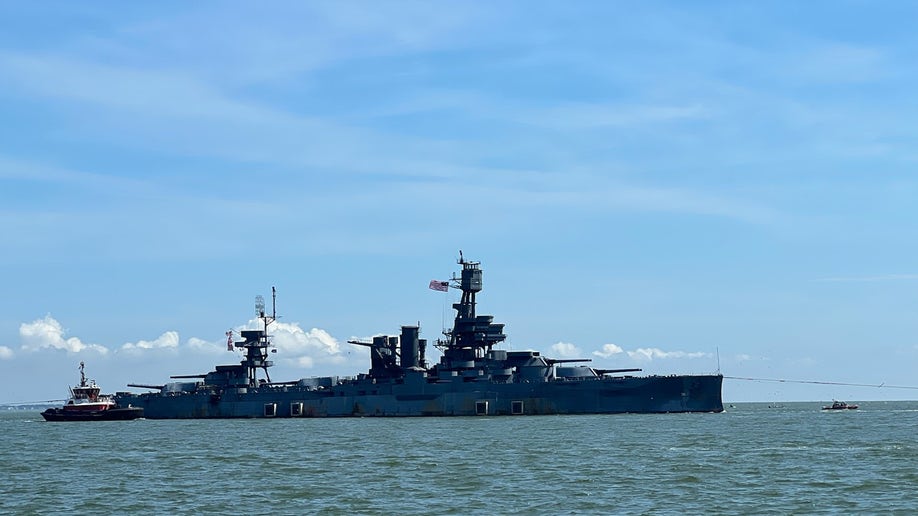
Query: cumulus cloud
5	353
566	350
303	348
47	333
169	339
206	346
608	350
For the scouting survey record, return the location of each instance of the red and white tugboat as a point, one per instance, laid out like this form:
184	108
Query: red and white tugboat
86	404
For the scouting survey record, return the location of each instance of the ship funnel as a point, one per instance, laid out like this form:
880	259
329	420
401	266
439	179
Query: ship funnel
410	347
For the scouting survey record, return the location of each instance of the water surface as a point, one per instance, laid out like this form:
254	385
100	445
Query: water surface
754	458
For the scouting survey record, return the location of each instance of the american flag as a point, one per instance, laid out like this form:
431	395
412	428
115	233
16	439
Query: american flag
229	340
442	286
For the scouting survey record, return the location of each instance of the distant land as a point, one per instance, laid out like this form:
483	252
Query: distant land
38	407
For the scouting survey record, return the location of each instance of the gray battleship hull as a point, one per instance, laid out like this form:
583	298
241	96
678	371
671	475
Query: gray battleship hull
417	397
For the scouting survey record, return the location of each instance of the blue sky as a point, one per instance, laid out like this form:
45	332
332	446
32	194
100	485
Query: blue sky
647	184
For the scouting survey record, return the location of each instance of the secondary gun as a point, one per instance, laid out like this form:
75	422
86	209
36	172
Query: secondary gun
142	386
553	361
601	372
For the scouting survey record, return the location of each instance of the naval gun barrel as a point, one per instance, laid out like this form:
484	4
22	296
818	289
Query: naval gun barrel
361	343
143	386
189	376
610	371
553	361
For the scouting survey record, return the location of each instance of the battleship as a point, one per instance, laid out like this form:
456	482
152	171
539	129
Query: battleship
472	378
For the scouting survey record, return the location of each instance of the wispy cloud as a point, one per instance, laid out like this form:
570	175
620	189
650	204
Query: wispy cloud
878	277
646	354
597	115
837	62
5	353
179	111
151	93
246	45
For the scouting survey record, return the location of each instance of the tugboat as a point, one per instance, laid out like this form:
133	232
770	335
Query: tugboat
472	378
839	405
86	404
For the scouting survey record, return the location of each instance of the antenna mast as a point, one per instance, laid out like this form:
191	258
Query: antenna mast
257	342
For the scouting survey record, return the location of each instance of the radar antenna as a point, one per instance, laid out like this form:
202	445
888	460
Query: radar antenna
259	306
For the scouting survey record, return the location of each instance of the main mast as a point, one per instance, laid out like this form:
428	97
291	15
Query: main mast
472	335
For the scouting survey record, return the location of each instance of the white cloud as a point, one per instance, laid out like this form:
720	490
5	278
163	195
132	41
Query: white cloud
206	346
169	339
566	350
303	348
645	354
291	338
5	353
304	362
608	350
745	357
648	354
47	333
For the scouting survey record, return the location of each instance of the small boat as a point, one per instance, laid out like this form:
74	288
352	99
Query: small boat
86	404
839	405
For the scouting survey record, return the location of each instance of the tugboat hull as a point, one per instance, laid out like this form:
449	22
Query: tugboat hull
88	404
115	414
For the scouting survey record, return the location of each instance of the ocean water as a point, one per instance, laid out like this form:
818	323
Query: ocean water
754	458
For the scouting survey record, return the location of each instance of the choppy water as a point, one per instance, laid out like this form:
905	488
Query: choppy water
751	459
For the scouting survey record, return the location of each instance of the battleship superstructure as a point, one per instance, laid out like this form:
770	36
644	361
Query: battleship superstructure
471	379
